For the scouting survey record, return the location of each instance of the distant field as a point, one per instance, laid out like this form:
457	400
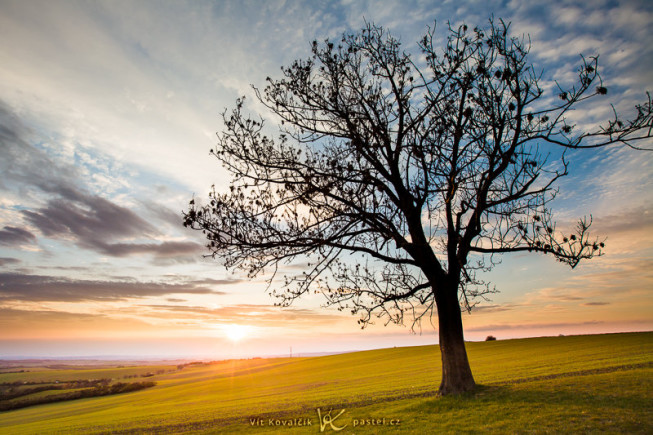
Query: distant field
595	383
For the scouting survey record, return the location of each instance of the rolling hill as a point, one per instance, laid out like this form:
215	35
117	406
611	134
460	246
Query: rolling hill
550	384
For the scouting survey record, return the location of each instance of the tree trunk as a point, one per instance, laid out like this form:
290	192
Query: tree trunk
456	373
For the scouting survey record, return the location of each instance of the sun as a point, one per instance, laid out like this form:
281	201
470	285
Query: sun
235	332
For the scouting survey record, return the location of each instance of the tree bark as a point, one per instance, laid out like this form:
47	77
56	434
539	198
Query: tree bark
456	373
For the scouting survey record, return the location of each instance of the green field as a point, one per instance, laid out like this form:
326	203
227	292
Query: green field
594	383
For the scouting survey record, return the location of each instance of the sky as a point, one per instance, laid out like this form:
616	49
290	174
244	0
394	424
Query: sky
108	110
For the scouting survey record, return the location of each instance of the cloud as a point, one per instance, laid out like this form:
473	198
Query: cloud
636	220
89	219
614	281
252	314
24	165
73	213
523	326
7	260
559	294
619	276
595	304
12	315
163	213
18	326
159	250
20	287
71	208
94	223
12	236
495	308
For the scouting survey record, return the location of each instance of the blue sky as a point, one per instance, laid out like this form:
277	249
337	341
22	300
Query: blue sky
108	110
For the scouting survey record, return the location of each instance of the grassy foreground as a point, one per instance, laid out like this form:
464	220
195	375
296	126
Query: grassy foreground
597	383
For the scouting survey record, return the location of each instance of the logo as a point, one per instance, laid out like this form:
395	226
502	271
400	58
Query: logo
329	420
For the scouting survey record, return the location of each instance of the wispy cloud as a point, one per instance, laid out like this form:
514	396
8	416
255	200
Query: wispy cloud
637	220
89	220
605	289
531	326
495	308
53	325
8	260
95	223
251	314
21	287
13	236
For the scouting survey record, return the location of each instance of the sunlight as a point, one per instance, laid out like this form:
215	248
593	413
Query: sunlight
235	332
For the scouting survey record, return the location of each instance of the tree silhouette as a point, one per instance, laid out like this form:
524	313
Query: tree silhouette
420	170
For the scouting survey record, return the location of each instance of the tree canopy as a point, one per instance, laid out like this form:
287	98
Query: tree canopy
399	177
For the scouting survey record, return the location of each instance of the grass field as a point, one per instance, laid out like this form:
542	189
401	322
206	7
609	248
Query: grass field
594	383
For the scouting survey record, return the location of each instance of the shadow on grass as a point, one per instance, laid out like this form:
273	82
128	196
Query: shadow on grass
586	404
507	394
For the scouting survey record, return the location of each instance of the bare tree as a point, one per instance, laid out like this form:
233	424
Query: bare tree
420	170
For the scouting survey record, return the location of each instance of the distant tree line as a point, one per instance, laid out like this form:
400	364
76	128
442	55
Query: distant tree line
100	387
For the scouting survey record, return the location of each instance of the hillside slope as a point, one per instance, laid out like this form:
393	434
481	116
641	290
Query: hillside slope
594	382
